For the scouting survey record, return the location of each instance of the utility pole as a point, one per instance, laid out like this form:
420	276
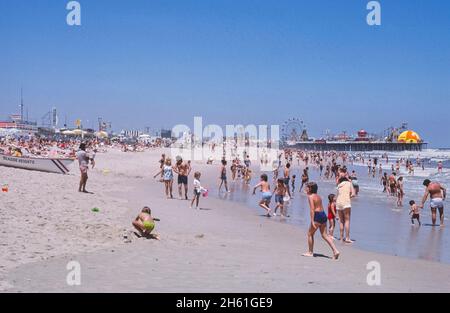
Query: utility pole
21	104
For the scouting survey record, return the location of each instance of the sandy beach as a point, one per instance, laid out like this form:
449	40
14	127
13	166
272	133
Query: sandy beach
223	247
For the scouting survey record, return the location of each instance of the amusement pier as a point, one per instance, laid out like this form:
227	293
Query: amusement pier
295	135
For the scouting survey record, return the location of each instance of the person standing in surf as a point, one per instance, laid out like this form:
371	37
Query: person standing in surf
305	179
223	176
287	178
437	195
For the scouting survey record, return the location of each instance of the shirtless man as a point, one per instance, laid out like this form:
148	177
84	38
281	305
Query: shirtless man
183	170
287	178
437	195
392	184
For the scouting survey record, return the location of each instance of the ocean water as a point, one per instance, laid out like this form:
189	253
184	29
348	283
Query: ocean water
377	224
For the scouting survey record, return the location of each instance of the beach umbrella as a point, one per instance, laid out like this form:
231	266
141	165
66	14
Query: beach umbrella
79	132
101	134
68	132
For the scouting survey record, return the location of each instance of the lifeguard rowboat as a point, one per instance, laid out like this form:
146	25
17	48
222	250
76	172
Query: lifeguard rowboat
60	166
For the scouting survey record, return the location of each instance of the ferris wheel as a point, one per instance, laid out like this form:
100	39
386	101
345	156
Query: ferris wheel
293	130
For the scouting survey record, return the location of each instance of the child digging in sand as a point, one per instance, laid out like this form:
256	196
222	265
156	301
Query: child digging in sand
145	223
415	211
318	221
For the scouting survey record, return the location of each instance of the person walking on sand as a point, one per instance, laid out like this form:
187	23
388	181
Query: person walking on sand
318	221
183	170
344	206
266	194
198	189
83	162
437	195
161	162
223	176
167	175
331	214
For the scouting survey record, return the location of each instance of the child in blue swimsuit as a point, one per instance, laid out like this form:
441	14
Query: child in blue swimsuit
266	194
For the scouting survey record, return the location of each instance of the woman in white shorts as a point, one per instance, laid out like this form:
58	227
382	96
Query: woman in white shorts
344	206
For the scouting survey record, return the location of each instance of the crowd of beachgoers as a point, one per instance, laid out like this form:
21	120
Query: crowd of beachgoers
276	185
279	185
44	147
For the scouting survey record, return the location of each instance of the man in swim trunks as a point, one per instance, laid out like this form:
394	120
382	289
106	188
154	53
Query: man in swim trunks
223	176
392	183
182	169
287	178
437	195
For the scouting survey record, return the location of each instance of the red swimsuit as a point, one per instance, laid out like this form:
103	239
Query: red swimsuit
330	213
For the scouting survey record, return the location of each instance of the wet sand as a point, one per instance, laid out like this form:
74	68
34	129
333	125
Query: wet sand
377	223
224	247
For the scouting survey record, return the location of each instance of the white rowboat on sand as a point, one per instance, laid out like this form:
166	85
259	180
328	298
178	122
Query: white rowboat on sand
55	165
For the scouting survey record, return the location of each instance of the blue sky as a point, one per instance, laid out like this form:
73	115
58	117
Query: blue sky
158	63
